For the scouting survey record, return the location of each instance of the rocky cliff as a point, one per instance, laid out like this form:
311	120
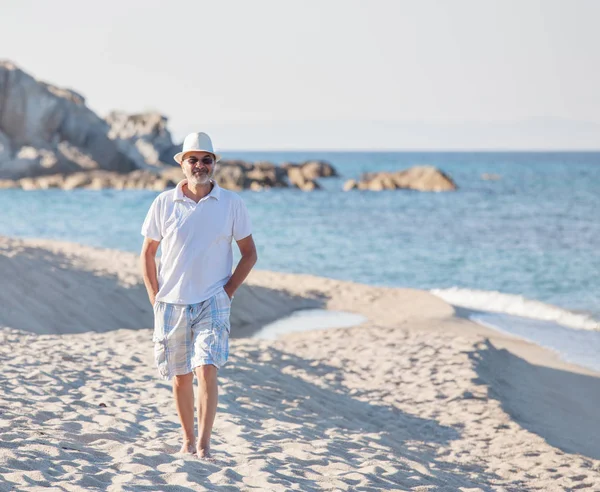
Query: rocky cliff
49	138
48	130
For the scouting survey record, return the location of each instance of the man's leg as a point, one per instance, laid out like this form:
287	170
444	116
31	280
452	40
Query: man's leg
183	392
208	396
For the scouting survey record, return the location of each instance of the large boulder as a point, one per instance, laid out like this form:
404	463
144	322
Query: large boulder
420	178
36	118
265	175
144	138
298	179
318	169
308	172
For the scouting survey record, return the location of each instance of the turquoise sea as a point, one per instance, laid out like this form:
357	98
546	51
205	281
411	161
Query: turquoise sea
534	232
493	245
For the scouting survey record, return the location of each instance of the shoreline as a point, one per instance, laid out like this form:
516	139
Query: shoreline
278	294
414	398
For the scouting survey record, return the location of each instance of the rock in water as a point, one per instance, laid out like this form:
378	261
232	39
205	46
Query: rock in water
420	178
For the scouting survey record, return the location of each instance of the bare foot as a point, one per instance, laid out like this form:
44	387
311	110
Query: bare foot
188	447
204	454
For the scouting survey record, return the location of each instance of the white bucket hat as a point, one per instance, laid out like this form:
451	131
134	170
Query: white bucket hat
199	142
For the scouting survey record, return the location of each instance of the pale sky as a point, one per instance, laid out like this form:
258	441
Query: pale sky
328	74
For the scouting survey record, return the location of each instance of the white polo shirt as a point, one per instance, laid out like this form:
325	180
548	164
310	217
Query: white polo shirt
196	255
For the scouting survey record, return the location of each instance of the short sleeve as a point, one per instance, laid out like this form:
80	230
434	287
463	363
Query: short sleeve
151	225
241	221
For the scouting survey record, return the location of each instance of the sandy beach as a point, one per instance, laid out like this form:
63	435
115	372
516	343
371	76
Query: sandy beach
415	398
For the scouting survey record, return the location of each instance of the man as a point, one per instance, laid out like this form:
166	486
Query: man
191	295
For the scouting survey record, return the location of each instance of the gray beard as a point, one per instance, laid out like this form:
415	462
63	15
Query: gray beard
200	179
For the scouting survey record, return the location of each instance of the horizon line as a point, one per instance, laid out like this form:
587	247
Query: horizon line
466	150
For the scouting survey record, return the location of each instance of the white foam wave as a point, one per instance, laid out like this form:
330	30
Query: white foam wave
516	305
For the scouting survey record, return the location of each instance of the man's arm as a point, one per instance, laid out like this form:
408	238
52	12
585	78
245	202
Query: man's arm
248	260
148	264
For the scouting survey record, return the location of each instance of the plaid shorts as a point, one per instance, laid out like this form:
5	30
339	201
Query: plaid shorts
191	335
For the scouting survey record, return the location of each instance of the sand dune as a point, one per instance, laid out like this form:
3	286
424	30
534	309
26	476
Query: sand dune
52	287
414	399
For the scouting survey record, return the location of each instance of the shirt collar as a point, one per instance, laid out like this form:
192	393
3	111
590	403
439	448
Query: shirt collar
179	196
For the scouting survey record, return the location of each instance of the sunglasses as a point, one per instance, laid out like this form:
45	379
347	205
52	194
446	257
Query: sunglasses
206	160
